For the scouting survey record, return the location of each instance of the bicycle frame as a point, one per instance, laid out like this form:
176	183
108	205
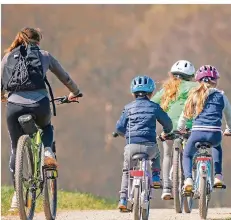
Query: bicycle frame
36	148
203	169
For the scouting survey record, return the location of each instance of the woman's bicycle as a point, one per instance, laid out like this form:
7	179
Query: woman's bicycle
32	177
139	189
180	202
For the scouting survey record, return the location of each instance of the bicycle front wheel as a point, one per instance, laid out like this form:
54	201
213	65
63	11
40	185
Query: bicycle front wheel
24	170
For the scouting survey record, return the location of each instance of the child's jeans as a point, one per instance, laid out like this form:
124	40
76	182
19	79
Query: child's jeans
151	149
213	137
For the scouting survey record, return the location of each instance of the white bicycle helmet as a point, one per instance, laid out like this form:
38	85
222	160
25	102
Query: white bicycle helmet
183	69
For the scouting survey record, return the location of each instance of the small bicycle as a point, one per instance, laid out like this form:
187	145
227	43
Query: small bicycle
37	176
139	189
203	182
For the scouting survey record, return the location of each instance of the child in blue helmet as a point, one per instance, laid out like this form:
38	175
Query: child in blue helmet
138	125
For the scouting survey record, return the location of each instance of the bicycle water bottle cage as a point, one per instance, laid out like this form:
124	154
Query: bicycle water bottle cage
203	145
28	125
140	156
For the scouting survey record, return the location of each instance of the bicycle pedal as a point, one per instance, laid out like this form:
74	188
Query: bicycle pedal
188	189
168	198
220	186
124	210
157	187
49	168
187	194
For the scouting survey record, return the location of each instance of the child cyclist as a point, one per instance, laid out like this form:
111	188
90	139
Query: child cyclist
172	98
205	105
138	125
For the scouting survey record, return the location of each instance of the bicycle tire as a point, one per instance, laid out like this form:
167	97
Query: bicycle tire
24	142
176	182
50	199
136	204
203	206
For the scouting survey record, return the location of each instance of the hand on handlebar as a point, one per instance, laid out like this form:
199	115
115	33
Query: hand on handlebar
74	98
227	133
3	97
163	136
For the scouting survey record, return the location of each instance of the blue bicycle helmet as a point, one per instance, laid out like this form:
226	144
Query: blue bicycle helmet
142	84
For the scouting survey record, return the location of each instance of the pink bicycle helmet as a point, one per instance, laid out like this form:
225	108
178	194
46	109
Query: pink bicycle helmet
208	72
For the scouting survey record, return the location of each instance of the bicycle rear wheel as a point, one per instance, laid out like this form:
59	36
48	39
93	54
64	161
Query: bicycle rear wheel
25	188
203	202
136	203
50	194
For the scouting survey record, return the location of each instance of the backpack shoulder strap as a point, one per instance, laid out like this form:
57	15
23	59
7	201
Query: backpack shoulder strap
51	95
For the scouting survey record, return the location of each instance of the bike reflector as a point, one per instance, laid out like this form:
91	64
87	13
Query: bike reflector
203	167
137	173
203	158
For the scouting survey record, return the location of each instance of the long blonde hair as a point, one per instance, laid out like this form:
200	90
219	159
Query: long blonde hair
196	100
171	88
25	36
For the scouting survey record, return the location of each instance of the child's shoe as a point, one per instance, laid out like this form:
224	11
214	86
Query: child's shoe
122	204
218	180
156	182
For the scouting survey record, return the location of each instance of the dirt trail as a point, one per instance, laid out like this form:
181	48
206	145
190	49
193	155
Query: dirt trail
155	214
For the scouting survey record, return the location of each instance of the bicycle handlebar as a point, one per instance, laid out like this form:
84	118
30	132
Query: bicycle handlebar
175	134
64	99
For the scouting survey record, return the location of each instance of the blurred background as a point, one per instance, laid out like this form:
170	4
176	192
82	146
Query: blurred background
103	47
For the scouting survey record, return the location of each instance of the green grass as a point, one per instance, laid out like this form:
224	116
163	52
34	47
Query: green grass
66	201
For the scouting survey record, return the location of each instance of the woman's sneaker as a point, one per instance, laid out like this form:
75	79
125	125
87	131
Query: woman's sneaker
188	185
166	194
49	159
14	203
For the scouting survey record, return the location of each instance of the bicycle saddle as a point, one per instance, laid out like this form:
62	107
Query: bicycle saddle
25	118
140	156
203	145
27	123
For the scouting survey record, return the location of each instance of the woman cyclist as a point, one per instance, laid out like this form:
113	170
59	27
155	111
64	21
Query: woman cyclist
26	100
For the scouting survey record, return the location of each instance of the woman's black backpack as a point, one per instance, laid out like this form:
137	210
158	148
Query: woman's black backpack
23	70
